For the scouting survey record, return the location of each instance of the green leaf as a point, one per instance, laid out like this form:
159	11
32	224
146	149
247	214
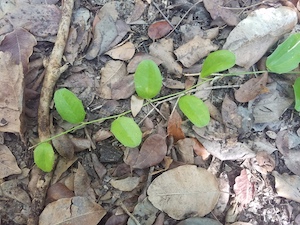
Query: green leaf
43	156
68	106
217	61
147	79
126	131
296	87
286	56
195	110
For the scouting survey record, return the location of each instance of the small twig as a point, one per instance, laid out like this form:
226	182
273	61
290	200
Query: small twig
222	87
156	6
129	214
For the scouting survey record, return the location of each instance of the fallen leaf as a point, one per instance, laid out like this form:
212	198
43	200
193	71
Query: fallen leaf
61	167
185	150
185	190
287	186
136	105
265	161
200	150
139	8
292	161
145	213
114	83
98	166
10	189
243	189
159	29
173	84
63	145
126	184
174	126
199	221
76	210
216	10
8	163
163	50
101	135
224	196
11	94
252	88
117	220
196	49
152	152
139	57
253	36
123	52
58	191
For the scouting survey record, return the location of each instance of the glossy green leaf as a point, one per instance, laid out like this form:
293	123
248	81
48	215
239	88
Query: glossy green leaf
126	131
195	110
147	79
296	87
217	61
286	56
43	156
68	106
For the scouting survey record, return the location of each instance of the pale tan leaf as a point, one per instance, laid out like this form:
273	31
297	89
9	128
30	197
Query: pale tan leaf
243	188
287	186
126	184
123	52
11	94
137	12
101	135
185	190
8	163
173	84
196	49
76	211
136	104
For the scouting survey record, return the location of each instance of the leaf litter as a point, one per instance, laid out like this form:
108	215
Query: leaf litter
104	51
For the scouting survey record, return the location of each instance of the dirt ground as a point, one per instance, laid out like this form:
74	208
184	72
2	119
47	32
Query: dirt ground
249	148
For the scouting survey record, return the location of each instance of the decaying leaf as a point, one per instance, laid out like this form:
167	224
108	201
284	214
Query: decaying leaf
292	161
287	186
152	152
114	83
123	52
196	49
185	190
185	150
224	196
163	49
174	126
10	189
252	88
8	163
173	84
63	145
126	184
58	191
76	210
136	104
265	161
159	29
253	36
243	188
137	12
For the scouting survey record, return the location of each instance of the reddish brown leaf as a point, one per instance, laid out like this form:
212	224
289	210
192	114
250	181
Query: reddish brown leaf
200	150
152	152
159	29
252	88
243	188
174	127
58	191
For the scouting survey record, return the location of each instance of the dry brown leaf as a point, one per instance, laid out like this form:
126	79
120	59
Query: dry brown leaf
63	145
200	150
76	211
126	184
183	191
61	167
136	105
8	163
163	50
12	190
101	135
58	191
252	88
137	12
199	221
40	20
173	84
196	49
140	56
224	196
243	189
174	126
159	29
123	52
253	36
216	10
115	83
20	44
185	150
265	161
152	152
292	161
82	184
287	186
11	94
117	219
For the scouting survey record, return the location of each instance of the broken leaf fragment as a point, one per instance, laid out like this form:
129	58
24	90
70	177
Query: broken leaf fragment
217	61
44	157
126	131
195	110
147	79
69	107
296	87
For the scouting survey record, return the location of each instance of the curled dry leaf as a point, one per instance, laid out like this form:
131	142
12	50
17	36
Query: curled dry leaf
76	210
185	190
152	152
243	189
174	126
8	163
123	52
287	186
253	36
159	29
196	49
252	88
